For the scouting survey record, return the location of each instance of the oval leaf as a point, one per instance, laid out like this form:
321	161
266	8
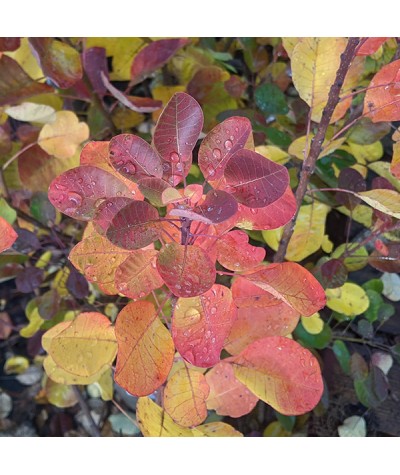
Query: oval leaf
218	206
185	397
187	270
235	253
281	373
201	324
145	349
254	180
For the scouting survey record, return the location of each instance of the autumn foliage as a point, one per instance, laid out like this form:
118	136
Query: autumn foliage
176	224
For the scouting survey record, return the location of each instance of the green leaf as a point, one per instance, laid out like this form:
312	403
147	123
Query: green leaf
271	100
375	302
319	341
373	284
342	354
6	212
277	137
287	422
372	390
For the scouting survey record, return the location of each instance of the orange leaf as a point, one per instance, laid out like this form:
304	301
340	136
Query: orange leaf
7	235
370	46
228	396
185	397
145	349
201	324
235	252
281	373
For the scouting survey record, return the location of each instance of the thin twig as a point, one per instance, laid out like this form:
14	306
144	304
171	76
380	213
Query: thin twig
93	429
316	143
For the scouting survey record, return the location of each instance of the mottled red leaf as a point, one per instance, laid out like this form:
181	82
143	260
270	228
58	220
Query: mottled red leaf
228	396
201	324
152	189
382	102
15	84
273	216
370	46
178	129
134	158
235	253
134	226
221	143
153	56
137	276
106	211
254	180
95	62
59	61
260	314
218	206
145	349
77	192
281	373
9	44
333	273
187	270
7	235
293	285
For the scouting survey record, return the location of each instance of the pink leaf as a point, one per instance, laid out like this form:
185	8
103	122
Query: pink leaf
235	253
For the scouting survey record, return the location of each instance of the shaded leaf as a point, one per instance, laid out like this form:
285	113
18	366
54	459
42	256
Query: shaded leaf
59	61
15	84
60	395
228	396
342	354
95	61
145	349
6	326
270	99
77	284
391	286
353	426
372	390
292	284
201	324
7	235
9	44
186	270
29	279
134	226
153	56
384	361
77	192
137	276
281	373
185	397
350	179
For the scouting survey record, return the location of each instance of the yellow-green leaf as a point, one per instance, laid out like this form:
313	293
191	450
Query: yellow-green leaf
387	201
217	429
350	299
313	324
16	365
361	214
357	256
385	169
366	153
60	395
274	153
105	385
34	318
300	147
31	112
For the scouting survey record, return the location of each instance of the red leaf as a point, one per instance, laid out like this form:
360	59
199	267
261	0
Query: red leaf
59	61
386	258
145	349
218	206
173	173
106	211
201	324
235	253
178	129
137	276
228	396
134	158
7	235
254	180
370	46
95	63
134	226
273	216
137	104
153	56
15	84
382	102
187	270
77	192
281	373
293	285
221	143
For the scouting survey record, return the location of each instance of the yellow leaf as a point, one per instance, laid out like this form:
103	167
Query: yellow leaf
59	375
274	429
313	324
44	260
125	119
315	62
34	318
308	234
387	201
60	395
164	94
155	422
327	244
83	347
301	146
216	429
366	153
361	213
362	170
185	397
105	385
122	50
289	44
59	282
16	365
274	153
51	100
24	57
31	112
384	169
350	299
62	137
356	259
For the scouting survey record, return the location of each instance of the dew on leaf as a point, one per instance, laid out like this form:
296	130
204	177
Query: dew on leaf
228	144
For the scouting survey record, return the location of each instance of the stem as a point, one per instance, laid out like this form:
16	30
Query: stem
316	143
94	430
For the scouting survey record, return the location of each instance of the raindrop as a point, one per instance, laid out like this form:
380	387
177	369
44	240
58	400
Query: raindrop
129	168
228	144
207	334
75	198
213	310
236	129
174	157
217	153
253	211
212	340
210	171
178	287
205	350
60	187
179	167
166	167
232	137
